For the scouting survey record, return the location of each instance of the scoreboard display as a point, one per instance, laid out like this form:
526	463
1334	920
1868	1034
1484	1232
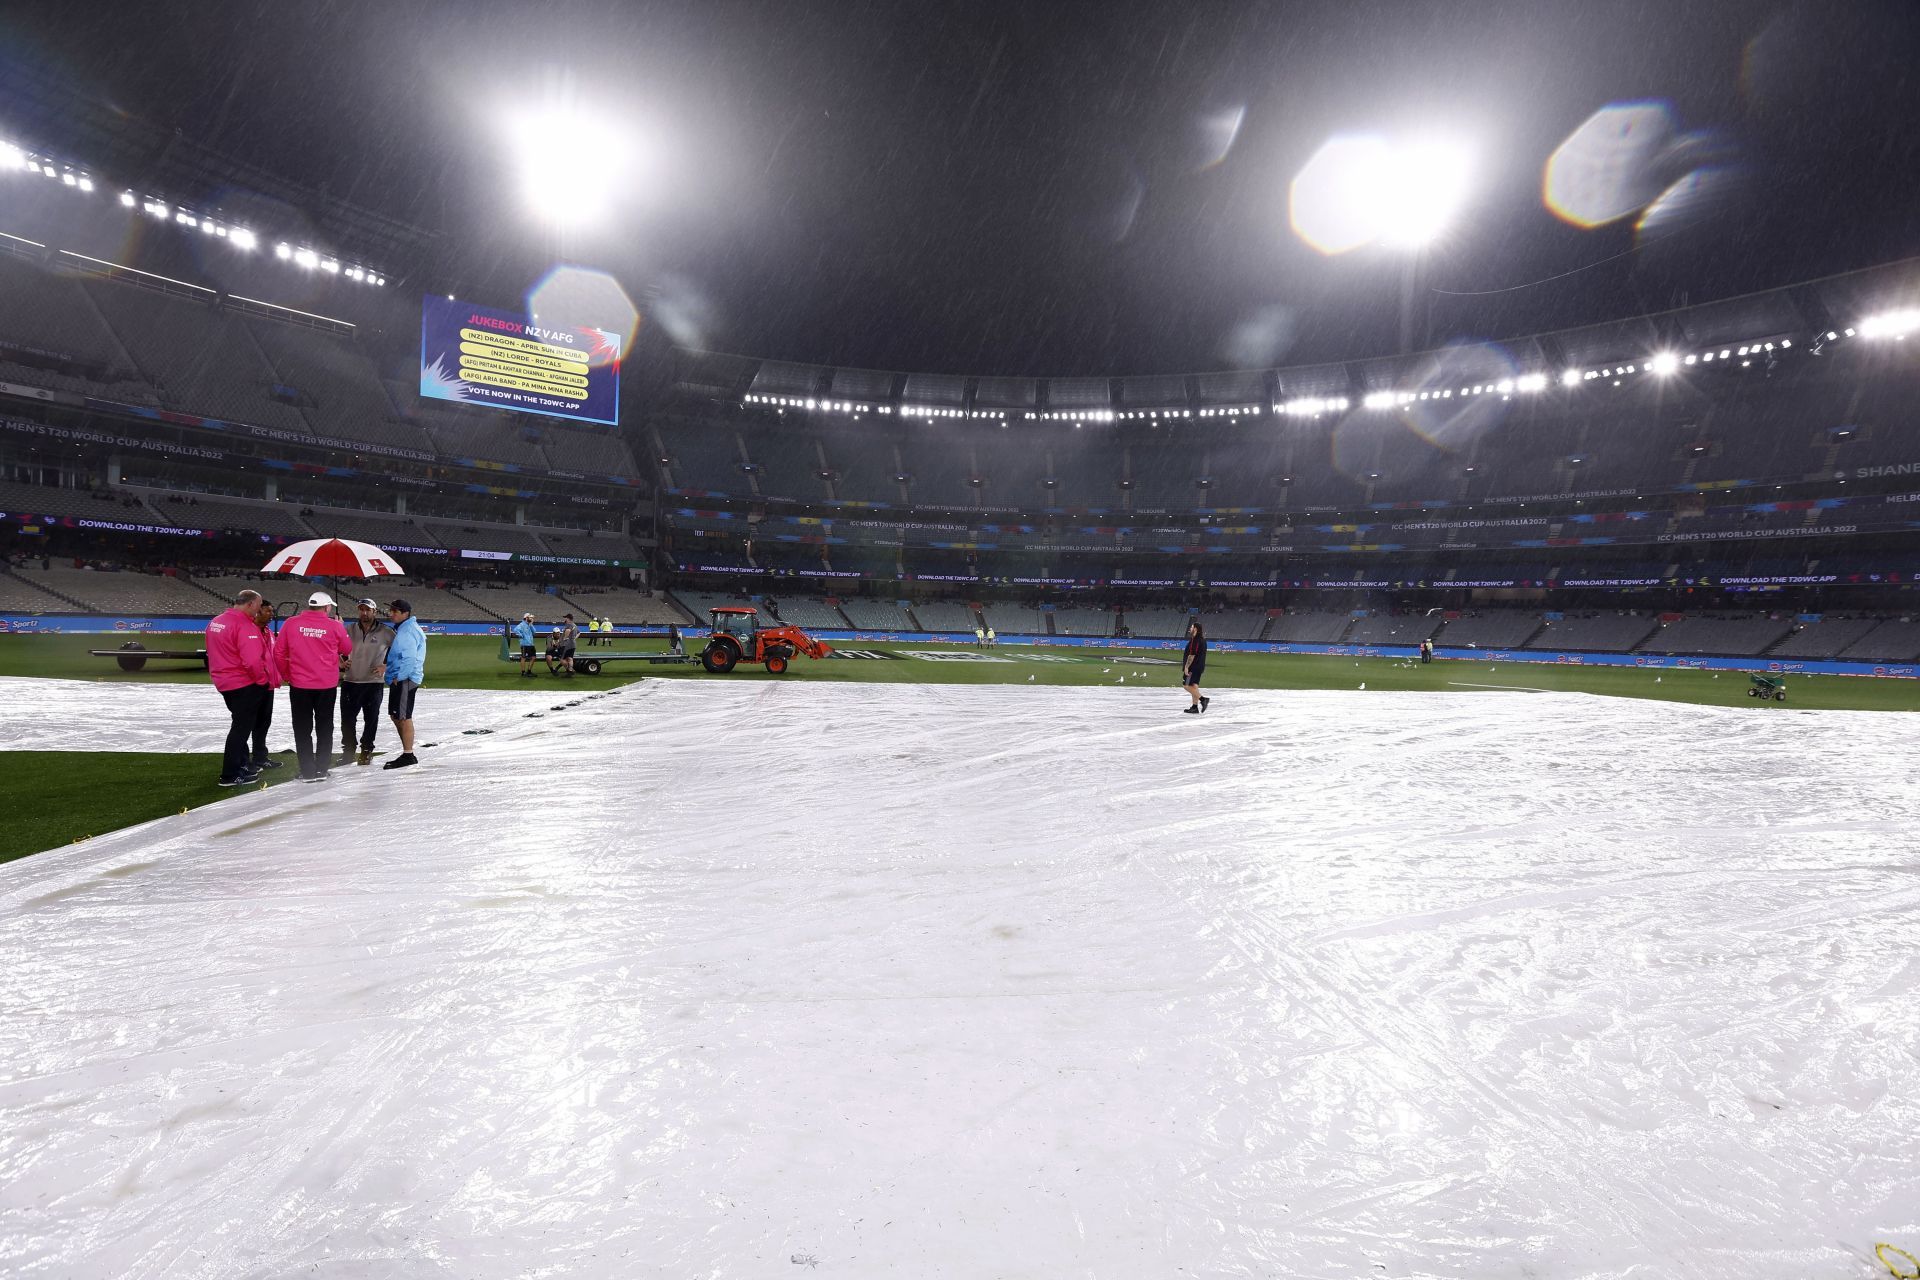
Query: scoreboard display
477	355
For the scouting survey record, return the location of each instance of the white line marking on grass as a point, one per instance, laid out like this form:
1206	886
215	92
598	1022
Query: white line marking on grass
1515	688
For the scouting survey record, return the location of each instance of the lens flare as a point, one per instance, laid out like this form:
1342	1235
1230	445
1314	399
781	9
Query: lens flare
1455	423
589	302
1688	201
1607	168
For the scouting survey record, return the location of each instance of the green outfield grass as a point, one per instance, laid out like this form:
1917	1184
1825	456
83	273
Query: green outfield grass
472	662
73	796
60	797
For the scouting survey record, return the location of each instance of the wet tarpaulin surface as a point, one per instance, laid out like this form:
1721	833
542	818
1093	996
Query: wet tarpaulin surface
85	715
705	978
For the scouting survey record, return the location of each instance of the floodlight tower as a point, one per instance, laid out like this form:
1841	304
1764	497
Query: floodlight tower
1364	189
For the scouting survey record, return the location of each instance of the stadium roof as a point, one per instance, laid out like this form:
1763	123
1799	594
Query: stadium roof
1802	313
964	185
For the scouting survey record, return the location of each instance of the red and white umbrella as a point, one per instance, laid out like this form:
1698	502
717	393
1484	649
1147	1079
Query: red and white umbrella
333	558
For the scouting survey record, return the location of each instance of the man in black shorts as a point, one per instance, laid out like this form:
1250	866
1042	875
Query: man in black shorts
1193	666
406	668
523	632
562	642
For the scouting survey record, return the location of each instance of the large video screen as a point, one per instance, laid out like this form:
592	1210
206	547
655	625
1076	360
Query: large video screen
476	355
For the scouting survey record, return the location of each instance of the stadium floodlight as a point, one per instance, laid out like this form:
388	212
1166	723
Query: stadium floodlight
185	219
85	183
1663	363
1531	382
1891	324
126	198
306	258
1364	189
12	157
68	179
571	160
157	208
1570	378
330	266
241	238
283	250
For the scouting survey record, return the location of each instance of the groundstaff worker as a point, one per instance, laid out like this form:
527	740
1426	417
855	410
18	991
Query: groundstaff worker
240	660
523	632
363	681
309	651
406	668
1193	665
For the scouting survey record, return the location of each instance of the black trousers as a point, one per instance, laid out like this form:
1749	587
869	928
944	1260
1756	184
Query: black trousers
313	726
252	711
362	702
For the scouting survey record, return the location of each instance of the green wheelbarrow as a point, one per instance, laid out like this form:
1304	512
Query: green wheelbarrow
1774	687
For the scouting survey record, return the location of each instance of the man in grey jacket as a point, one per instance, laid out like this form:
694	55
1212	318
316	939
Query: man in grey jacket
364	680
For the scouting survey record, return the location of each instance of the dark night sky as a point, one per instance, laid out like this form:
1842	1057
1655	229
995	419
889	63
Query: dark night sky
1022	187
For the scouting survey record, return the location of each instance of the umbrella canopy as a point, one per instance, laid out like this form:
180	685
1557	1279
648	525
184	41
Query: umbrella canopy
333	558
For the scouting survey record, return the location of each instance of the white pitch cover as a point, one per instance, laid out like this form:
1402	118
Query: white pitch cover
731	978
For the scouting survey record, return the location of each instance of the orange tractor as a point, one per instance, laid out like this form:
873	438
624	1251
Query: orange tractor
738	637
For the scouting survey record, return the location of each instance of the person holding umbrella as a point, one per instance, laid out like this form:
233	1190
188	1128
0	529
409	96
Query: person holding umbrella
363	682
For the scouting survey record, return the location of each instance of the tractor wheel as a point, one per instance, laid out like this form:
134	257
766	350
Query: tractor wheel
591	666
127	661
1780	696
776	664
719	659
1753	693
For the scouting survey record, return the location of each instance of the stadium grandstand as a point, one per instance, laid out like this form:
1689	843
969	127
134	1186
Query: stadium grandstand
1732	473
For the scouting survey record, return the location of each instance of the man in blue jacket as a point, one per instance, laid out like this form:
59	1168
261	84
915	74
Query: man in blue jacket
523	632
406	668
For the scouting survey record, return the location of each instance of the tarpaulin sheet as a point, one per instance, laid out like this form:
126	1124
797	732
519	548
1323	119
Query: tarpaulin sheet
703	978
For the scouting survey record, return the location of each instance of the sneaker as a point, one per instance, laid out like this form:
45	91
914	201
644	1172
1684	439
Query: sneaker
231	782
268	763
365	757
345	757
1204	702
1191	711
313	777
405	759
247	779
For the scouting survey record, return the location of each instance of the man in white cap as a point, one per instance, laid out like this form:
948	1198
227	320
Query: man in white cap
523	632
363	685
311	646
